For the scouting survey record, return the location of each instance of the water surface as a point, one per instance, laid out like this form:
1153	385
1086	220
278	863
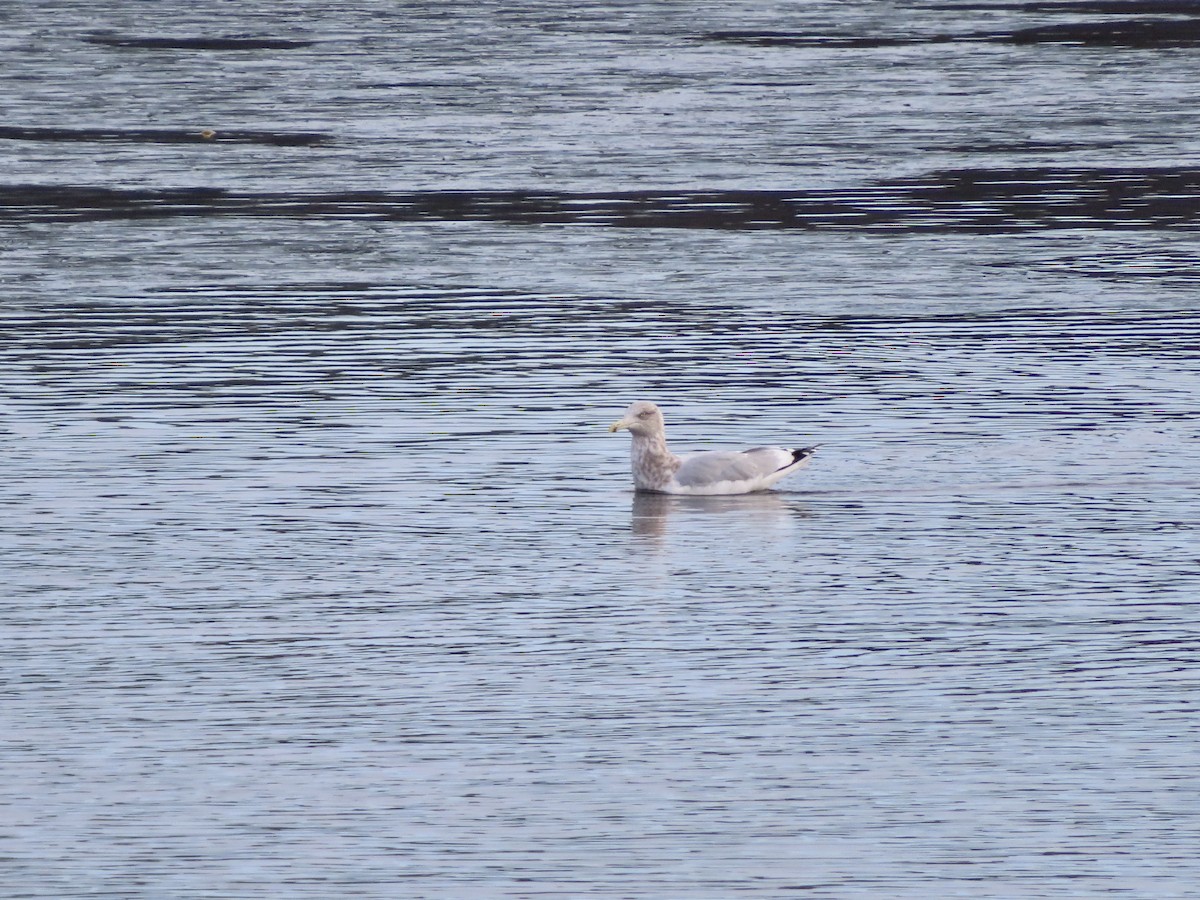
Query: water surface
326	576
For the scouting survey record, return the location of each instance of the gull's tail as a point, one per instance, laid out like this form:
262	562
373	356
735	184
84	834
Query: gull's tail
803	453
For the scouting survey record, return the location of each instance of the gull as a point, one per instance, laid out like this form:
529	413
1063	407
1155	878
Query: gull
658	470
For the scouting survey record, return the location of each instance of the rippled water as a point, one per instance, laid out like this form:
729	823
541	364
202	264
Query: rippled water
325	576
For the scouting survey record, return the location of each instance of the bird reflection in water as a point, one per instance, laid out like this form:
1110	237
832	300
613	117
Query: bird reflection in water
763	511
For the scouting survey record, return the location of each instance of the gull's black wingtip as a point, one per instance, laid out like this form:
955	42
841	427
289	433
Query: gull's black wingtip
804	453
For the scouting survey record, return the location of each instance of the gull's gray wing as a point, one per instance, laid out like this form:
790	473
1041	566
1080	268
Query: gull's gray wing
699	469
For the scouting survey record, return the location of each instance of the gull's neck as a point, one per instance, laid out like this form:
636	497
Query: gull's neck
653	464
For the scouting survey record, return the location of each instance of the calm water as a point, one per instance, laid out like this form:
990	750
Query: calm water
325	577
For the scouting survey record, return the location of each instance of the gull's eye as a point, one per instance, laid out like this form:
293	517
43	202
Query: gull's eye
644	414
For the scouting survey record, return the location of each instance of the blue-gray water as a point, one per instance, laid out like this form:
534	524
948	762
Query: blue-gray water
324	574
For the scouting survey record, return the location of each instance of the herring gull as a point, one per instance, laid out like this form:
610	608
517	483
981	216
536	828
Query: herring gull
657	469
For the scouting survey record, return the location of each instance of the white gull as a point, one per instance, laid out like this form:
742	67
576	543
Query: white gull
657	469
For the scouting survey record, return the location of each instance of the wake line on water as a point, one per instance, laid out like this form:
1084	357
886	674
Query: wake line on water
961	200
989	487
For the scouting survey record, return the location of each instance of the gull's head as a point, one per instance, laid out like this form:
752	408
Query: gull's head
641	418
